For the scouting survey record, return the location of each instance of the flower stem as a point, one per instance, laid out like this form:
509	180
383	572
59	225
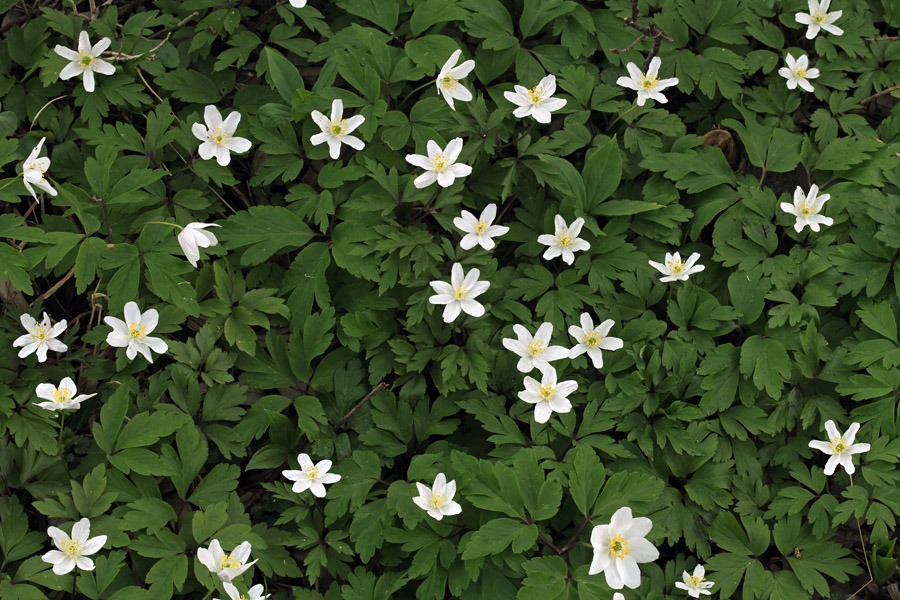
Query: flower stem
62	421
164	223
421	87
633	106
208	594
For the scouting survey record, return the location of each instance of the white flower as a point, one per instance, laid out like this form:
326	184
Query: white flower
311	477
619	547
593	340
565	241
254	593
840	447
548	396
797	72
479	231
73	550
459	295
537	101
298	3
437	501
193	237
85	61
536	351
618	596
132	332
695	584
336	129
439	164
40	337
226	566
648	85
448	79
33	170
819	18
217	136
677	270
62	397
806	209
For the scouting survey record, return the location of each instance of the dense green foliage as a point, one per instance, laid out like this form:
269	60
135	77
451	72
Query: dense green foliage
316	299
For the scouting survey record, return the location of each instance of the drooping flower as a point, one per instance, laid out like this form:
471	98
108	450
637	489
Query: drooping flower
132	333
336	130
479	231
40	337
298	3
226	566
647	85
619	547
73	551
840	448
797	72
437	501
535	351
548	396
459	295
538	101
593	340
677	270
85	60
62	397
439	164
254	593
33	170
193	237
806	209
311	477
819	18
565	241
695	584
448	79
217	136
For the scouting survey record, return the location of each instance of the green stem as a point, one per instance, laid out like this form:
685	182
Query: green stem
208	594
633	106
62	421
9	183
421	87
164	223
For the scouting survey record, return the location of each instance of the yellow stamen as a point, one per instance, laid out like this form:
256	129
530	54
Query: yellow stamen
460	293
536	347
546	392
806	209
838	445
85	61
819	16
39	334
675	266
536	94
695	581
219	136
591	340
618	547
565	239
229	562
437	500
137	331
72	548
480	227
338	127
449	82
439	162
61	395
800	72
648	82
311	472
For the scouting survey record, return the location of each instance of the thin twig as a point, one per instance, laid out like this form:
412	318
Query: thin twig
646	32
120	56
889	38
59	283
881	93
173	27
378	388
865	555
574	539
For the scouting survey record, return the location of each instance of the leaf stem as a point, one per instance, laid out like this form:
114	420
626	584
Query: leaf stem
164	223
421	87
9	183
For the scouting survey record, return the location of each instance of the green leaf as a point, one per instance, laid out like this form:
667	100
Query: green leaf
586	479
146	429
266	230
879	318
602	173
285	75
495	536
767	361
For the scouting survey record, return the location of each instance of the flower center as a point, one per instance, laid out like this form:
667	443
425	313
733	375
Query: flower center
437	500
61	395
565	239
39	334
338	127
34	167
536	347
460	292
449	82
229	562
137	331
439	162
676	266
819	16
838	445
72	548
806	209
311	472
481	227
591	340
648	82
695	581
218	136
800	72
85	61
546	392
536	94
618	547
